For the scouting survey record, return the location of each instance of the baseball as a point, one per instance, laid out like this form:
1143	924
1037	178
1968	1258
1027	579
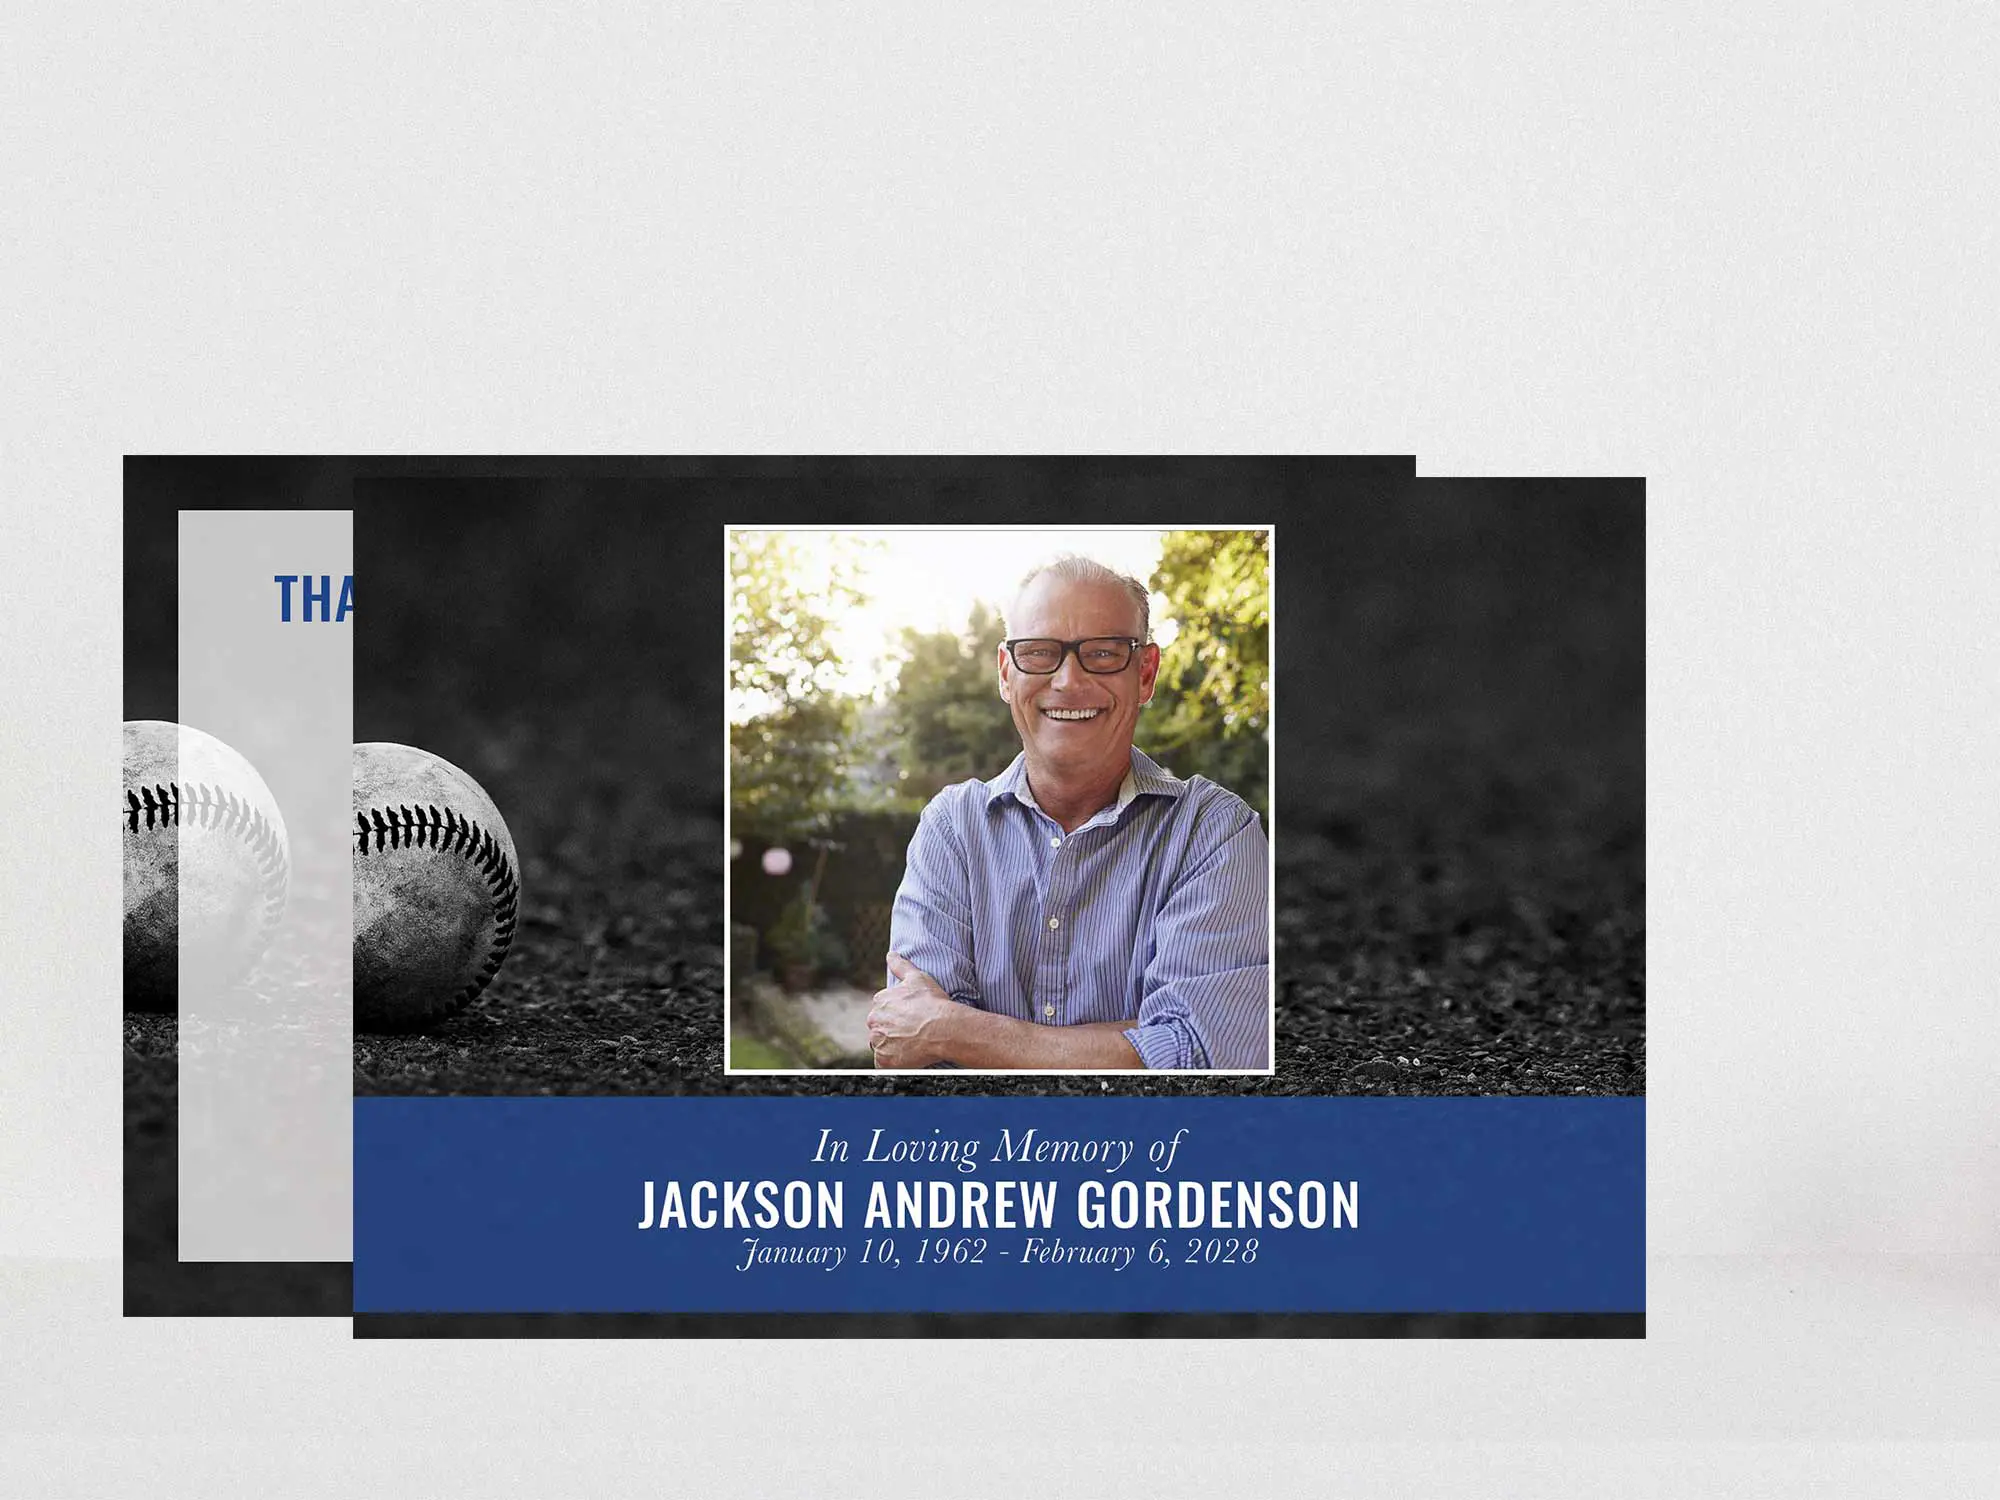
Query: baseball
207	863
436	887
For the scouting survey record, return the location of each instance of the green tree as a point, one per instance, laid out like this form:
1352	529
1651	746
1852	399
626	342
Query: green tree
790	727
949	724
1212	711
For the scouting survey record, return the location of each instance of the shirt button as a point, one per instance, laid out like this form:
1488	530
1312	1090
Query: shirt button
1055	843
1048	1010
1054	923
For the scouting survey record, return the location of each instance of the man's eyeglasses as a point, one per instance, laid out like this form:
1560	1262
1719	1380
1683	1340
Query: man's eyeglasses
1100	654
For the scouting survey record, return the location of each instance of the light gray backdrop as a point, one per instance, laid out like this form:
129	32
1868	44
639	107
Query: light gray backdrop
1742	250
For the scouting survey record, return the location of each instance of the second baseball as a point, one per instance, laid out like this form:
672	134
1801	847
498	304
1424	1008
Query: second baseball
436	888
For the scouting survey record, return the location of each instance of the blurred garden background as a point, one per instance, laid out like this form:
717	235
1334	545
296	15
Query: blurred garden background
863	679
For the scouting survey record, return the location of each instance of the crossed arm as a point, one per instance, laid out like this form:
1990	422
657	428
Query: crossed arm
1206	990
914	1024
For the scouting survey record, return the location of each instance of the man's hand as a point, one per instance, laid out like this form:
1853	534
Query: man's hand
905	1021
914	1024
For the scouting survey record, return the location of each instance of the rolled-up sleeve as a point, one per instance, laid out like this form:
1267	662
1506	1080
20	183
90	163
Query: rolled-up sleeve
1206	1000
931	923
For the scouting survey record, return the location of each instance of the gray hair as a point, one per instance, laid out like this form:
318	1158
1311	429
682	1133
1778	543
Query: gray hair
1073	569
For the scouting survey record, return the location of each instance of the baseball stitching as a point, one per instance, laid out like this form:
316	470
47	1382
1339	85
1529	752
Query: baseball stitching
445	831
169	805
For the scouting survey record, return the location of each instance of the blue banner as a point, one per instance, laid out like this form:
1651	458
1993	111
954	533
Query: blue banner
999	1204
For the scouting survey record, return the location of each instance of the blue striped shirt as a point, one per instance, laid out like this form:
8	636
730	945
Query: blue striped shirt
1157	908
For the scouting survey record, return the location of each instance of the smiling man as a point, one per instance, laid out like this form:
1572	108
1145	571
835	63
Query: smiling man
1085	908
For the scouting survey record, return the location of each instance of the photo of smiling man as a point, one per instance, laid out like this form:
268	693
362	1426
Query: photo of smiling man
1084	907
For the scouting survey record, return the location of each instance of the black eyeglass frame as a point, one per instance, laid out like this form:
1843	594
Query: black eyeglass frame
1132	642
